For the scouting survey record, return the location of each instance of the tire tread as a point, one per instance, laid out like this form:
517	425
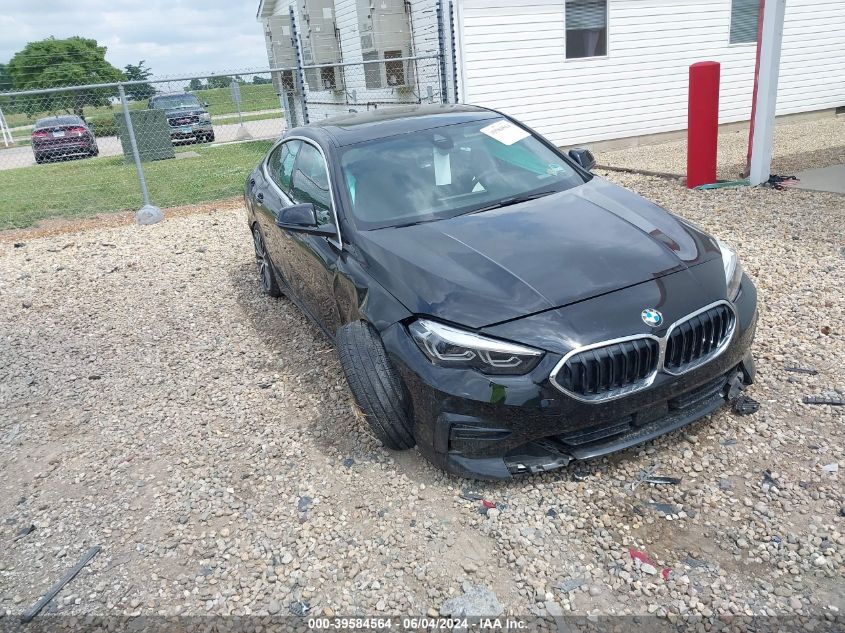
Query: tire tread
376	386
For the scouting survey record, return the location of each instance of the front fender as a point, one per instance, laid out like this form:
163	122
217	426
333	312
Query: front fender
359	297
250	211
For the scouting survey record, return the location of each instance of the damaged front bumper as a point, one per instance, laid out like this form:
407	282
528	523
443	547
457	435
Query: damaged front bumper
557	451
487	427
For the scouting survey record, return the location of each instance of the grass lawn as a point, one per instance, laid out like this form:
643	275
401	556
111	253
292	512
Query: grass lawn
89	186
233	119
253	97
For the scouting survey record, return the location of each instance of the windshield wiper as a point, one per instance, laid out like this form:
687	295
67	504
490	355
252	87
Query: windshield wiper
506	202
413	223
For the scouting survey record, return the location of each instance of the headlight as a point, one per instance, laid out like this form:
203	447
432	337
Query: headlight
450	347
733	269
205	116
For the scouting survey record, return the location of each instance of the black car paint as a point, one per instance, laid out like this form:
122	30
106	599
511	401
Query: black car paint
576	287
473	269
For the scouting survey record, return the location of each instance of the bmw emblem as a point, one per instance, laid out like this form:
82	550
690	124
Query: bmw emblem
652	317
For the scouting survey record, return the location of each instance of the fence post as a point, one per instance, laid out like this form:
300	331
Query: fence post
4	129
300	77
452	14
444	90
147	214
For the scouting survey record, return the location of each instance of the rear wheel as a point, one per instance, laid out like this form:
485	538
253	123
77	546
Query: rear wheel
265	266
39	159
95	151
209	138
376	385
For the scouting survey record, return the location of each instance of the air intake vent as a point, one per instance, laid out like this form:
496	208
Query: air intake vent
609	371
697	339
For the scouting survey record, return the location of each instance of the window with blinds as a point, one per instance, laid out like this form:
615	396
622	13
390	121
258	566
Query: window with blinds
586	28
744	21
372	72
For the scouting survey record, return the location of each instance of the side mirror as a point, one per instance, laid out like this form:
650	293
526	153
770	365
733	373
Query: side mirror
205	104
302	218
583	157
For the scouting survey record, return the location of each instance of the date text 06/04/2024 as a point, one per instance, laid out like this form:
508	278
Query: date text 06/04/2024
412	623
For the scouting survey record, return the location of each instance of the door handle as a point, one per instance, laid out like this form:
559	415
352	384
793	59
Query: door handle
260	196
252	182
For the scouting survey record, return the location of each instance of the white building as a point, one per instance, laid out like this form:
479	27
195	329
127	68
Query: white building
338	35
589	70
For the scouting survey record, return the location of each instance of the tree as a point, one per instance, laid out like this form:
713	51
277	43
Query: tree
7	104
52	63
219	81
137	72
256	79
196	84
5	79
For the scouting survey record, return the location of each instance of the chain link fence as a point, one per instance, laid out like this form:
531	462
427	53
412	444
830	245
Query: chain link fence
354	55
68	151
72	150
335	89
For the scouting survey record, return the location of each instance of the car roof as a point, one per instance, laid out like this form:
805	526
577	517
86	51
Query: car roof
58	120
366	126
178	93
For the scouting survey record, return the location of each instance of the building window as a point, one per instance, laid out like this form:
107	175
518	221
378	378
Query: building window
312	78
744	21
586	28
288	84
327	77
395	71
372	72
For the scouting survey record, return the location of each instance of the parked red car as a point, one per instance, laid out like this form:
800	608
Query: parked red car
62	136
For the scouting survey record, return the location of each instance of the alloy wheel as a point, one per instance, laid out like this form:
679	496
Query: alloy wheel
261	258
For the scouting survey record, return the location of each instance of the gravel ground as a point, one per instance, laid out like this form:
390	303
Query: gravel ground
154	402
799	144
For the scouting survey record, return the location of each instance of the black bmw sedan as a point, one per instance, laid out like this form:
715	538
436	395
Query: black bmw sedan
492	301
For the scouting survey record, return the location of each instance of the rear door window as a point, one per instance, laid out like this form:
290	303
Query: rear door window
281	162
311	182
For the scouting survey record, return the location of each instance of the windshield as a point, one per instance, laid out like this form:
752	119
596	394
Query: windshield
58	120
168	102
448	171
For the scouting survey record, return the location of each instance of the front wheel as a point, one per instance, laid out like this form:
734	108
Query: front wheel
376	385
265	266
209	138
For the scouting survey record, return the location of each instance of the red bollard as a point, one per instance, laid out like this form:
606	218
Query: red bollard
702	123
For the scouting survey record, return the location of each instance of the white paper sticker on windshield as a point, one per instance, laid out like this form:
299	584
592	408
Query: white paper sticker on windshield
505	132
442	168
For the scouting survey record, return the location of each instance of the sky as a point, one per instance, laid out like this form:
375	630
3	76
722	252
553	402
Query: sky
175	37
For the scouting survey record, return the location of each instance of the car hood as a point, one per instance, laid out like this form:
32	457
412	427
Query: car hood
494	266
180	112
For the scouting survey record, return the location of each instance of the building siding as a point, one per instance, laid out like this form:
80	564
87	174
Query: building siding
512	56
324	103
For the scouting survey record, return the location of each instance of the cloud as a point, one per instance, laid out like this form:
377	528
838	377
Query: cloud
175	37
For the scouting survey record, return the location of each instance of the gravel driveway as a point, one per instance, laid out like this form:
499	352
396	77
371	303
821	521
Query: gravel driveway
154	402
